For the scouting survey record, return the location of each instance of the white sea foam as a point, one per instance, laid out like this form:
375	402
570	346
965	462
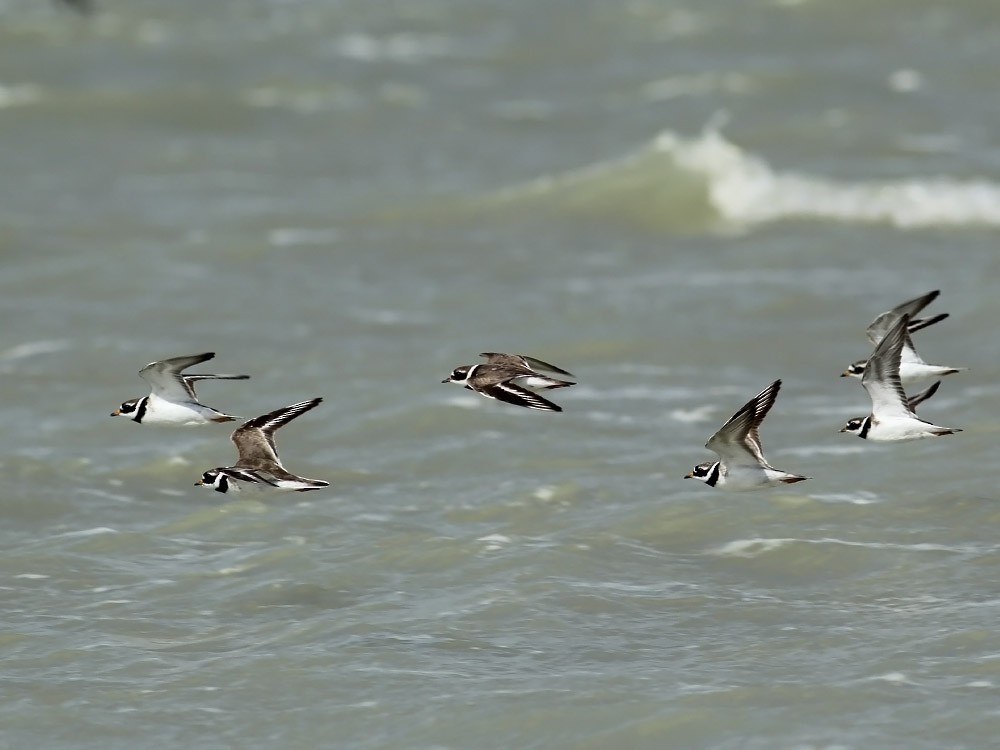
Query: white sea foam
749	547
97	531
33	348
494	541
545	493
854	498
747	190
759	546
693	416
896	678
674	176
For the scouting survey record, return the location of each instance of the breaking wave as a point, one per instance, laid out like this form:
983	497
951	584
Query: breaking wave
707	180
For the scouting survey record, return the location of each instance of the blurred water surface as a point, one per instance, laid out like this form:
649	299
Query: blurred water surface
678	201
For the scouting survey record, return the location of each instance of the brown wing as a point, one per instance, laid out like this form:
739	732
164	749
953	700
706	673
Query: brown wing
522	360
738	440
254	438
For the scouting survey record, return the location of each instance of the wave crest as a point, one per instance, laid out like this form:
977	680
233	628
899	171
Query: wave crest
710	182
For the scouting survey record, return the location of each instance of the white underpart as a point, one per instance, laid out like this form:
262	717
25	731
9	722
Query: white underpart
896	429
913	372
535	381
160	411
743	478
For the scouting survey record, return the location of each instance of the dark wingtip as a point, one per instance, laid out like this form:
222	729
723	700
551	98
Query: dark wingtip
546	406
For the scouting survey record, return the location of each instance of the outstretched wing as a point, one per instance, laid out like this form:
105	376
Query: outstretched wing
190	380
883	323
738	441
881	378
514	394
913	401
523	360
165	379
254	438
917	324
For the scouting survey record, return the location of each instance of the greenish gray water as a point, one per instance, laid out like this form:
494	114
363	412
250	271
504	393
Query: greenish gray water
677	202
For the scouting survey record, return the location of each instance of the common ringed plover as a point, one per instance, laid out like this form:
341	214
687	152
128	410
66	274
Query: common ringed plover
259	464
173	399
508	382
912	367
892	418
742	465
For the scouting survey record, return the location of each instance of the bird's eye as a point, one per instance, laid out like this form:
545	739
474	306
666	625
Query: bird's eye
127	408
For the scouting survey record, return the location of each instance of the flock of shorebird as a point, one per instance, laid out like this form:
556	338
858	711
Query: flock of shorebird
516	378
741	464
173	401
